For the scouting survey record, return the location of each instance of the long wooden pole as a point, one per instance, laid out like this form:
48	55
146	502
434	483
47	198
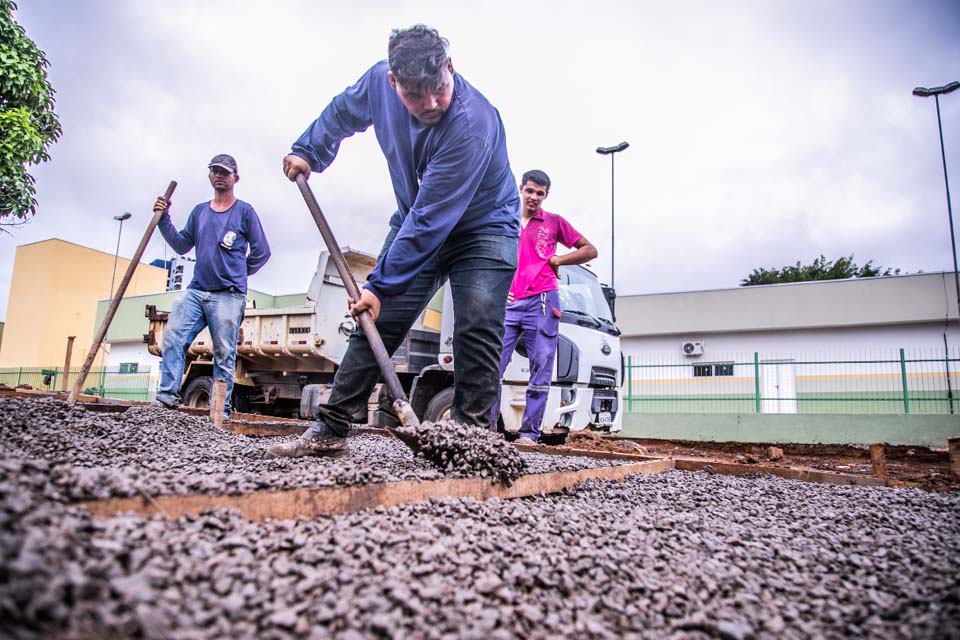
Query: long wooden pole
117	297
66	363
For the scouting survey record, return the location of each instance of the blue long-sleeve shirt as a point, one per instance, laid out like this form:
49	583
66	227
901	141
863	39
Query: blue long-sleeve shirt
222	240
450	179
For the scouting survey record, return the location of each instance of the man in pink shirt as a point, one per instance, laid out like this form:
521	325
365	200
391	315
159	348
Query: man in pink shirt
533	305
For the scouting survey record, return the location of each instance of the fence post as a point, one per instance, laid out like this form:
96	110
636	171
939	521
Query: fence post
756	380
19	375
629	383
903	377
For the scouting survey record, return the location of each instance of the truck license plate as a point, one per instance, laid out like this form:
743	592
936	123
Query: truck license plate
604	418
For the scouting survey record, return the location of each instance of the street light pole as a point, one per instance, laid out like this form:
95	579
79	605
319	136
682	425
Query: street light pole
936	92
120	218
611	151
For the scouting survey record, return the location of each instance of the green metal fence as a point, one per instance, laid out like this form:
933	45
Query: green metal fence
108	382
898	381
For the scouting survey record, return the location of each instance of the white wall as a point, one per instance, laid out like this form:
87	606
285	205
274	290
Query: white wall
836	340
863	365
120	352
148	363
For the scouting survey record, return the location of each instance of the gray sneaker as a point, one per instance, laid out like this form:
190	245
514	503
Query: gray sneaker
317	441
524	440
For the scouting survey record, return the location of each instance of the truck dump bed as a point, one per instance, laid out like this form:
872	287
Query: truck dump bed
310	337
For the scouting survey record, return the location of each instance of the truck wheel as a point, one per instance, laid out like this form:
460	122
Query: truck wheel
311	397
241	401
197	393
439	406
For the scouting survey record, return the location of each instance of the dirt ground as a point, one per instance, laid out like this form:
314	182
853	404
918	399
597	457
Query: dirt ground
928	468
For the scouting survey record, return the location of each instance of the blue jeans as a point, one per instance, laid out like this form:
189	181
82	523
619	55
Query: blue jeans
480	268
222	311
535	318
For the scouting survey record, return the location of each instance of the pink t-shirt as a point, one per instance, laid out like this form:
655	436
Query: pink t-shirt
538	243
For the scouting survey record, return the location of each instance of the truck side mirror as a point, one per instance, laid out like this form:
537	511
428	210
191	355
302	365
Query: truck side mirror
611	295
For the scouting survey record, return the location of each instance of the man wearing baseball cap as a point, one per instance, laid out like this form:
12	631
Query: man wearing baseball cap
230	246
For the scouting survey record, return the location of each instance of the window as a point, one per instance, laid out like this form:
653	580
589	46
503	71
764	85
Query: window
725	369
710	370
128	367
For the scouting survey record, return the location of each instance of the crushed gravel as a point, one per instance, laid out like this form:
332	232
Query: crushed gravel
686	556
456	447
674	555
152	451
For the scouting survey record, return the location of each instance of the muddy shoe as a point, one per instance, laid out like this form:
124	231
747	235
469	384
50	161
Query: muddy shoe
173	405
524	440
317	441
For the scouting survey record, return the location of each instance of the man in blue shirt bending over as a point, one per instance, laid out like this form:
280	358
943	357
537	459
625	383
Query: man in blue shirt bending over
457	218
230	246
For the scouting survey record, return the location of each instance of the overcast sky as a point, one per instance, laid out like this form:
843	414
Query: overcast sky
761	133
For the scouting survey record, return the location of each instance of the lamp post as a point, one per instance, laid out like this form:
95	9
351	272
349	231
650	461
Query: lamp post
611	151
120	219
936	92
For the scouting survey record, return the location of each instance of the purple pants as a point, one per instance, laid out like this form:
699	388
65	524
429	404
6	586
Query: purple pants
537	319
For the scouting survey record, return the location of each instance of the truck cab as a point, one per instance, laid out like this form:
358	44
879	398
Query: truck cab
587	371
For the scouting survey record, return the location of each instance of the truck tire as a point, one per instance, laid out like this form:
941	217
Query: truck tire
439	406
197	393
311	397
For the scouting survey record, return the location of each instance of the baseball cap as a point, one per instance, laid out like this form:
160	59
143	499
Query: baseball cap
224	161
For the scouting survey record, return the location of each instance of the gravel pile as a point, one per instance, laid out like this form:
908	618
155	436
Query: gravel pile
152	451
456	447
675	555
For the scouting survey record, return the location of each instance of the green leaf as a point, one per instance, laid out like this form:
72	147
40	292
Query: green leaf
28	123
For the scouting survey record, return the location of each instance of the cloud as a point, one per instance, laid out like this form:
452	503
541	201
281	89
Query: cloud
761	133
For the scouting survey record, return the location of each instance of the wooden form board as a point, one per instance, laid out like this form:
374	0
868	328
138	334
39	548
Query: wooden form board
731	468
311	503
953	446
788	473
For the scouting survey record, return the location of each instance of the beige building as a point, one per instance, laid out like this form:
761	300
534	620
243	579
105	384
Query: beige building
54	293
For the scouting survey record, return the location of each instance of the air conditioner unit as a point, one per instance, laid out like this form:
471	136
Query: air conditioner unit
692	348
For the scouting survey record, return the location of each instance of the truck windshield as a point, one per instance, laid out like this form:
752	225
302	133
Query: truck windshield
580	293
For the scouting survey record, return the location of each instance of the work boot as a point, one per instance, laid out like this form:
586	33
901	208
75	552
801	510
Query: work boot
316	441
171	404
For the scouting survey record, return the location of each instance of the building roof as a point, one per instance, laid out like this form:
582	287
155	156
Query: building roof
106	253
922	297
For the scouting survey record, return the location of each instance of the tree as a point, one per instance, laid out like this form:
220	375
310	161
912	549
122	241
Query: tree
28	123
820	269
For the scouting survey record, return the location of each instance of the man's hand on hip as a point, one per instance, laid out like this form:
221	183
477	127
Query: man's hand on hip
555	265
295	165
368	302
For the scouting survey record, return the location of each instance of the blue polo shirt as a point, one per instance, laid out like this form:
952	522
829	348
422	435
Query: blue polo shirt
450	179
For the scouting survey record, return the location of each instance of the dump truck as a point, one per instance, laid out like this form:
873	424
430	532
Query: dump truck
287	357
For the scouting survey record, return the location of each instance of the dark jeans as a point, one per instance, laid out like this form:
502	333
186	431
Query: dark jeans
480	269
